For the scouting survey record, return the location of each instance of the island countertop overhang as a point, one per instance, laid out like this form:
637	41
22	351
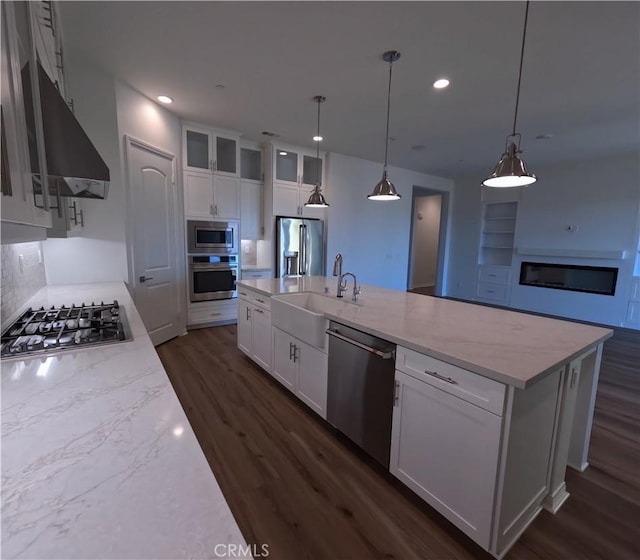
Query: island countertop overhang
511	347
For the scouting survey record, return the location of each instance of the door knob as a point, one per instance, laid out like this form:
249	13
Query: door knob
145	278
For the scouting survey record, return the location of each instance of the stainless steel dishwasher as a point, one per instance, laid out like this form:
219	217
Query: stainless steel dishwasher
361	388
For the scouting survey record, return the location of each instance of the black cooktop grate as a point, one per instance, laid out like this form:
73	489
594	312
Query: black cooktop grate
46	330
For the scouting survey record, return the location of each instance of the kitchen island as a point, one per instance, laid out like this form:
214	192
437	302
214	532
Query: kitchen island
490	405
98	458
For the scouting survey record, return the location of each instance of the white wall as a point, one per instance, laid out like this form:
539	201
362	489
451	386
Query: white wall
373	237
424	246
107	110
600	196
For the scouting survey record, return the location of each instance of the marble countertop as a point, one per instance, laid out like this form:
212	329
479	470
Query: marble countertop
98	457
508	346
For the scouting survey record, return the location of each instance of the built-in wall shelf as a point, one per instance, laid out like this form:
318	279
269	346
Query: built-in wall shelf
573	253
497	233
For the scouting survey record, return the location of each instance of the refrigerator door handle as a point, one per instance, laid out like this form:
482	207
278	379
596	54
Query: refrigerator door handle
302	250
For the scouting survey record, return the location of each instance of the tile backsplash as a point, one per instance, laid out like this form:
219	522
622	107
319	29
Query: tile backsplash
23	275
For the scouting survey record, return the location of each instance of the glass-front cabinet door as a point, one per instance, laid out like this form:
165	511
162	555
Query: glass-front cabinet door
197	150
226	156
286	166
251	164
311	170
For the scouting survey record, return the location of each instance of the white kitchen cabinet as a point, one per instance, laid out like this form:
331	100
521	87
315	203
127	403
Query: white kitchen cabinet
209	150
20	204
254	327
251	168
293	175
211	196
206	313
284	365
245	330
251	195
302	369
446	450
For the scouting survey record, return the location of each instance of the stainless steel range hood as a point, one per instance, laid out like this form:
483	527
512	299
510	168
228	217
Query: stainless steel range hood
74	166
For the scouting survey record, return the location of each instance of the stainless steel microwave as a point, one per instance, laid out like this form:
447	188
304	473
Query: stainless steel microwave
212	237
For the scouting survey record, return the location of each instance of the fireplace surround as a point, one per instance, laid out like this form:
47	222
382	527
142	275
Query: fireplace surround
575	278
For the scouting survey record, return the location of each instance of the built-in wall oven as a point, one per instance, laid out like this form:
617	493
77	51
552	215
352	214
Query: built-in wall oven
212	237
212	277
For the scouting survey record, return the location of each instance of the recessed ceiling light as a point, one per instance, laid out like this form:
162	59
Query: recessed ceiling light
547	136
317	138
441	83
282	153
268	133
220	86
164	99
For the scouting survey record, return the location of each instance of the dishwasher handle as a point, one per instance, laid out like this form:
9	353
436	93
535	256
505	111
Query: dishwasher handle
379	353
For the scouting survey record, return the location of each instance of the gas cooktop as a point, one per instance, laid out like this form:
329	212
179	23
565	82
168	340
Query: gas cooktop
64	328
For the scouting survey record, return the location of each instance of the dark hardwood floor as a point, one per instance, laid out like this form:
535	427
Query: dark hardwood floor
293	484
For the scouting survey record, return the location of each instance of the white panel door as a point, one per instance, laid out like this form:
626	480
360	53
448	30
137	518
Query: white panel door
198	195
312	377
284	368
446	450
152	193
226	202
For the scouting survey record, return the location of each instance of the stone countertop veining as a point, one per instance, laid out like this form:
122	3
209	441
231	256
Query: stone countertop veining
98	457
509	346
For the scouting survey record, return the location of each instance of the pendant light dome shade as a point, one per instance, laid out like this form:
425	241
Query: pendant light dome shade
316	199
510	171
385	190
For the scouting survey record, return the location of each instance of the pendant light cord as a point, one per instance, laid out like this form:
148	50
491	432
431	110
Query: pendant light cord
524	36
318	146
386	142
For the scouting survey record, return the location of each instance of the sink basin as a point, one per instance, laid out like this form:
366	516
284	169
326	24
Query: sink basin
302	315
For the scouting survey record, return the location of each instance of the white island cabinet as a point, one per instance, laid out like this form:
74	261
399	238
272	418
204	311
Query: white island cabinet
302	369
446	448
490	405
254	327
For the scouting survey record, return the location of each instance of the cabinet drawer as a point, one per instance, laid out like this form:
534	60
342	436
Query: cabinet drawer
495	292
261	300
211	313
243	293
253	274
471	387
494	274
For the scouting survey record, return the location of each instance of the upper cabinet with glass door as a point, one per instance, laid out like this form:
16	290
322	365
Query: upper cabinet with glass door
297	166
251	162
210	150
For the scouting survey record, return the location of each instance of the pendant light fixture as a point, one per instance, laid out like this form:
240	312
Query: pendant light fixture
385	190
511	170
316	200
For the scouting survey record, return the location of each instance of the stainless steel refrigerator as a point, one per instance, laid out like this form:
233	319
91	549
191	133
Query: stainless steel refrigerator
299	247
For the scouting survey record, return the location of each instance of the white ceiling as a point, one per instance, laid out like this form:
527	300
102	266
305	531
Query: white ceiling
581	78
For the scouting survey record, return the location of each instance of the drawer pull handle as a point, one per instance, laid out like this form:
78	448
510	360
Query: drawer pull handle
243	293
258	310
492	275
441	377
260	300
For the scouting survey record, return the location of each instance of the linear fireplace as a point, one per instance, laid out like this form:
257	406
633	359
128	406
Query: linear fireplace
576	278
